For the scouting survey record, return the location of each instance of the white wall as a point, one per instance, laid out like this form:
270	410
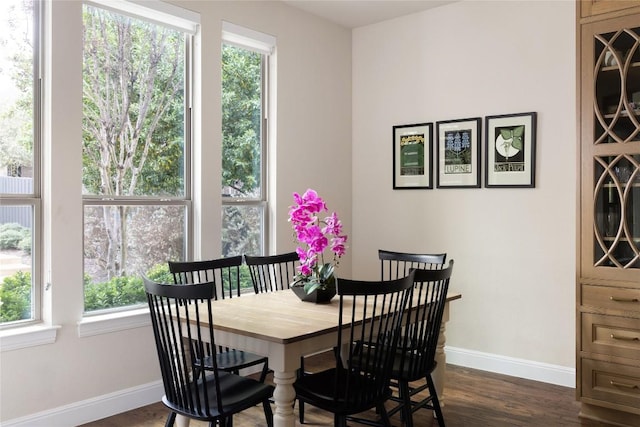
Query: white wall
75	380
514	248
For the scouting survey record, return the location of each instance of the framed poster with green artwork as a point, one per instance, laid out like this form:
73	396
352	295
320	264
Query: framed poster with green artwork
510	159
458	153
412	148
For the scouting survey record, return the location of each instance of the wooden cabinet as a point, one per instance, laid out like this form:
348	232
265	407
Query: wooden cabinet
608	286
599	7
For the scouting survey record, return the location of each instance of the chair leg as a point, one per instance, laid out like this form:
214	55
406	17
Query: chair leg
434	401
406	412
171	419
384	416
268	413
265	371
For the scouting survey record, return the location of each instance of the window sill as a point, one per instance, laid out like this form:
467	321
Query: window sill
113	322
28	336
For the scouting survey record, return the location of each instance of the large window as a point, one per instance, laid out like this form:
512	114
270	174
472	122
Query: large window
20	108
136	145
245	56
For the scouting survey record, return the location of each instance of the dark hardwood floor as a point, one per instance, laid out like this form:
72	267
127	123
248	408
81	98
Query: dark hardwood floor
473	398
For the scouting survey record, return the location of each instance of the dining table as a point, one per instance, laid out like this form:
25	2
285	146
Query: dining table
282	327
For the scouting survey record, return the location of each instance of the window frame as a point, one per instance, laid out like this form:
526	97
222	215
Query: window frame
158	16
34	199
244	38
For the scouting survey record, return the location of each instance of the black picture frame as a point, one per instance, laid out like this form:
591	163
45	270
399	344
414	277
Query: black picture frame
458	153
412	156
510	150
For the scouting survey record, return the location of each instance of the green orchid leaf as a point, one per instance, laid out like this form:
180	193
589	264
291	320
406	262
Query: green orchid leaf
311	286
326	271
297	280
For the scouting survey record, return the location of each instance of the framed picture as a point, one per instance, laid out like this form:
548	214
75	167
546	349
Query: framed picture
412	148
510	159
458	153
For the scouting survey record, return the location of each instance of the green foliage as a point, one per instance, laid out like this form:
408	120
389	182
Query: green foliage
25	243
122	291
241	119
16	119
14	236
160	273
245	277
15	297
117	292
15	292
241	147
133	102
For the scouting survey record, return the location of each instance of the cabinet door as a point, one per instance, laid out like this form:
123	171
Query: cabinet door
598	7
610	139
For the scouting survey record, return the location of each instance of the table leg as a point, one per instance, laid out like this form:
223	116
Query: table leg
182	421
284	396
441	358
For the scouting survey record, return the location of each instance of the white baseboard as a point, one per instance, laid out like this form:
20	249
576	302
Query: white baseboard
92	409
521	368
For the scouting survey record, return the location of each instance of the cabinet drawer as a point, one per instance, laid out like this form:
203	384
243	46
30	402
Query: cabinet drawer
613	385
621	300
611	335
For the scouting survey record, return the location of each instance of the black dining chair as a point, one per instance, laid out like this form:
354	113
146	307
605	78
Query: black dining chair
224	273
182	321
371	313
398	264
272	272
415	358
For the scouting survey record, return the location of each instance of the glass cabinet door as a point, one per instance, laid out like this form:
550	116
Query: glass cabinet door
614	152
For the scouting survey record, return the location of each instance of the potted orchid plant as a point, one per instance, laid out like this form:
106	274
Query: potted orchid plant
315	235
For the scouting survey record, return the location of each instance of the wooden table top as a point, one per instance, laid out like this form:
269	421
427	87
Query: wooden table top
279	317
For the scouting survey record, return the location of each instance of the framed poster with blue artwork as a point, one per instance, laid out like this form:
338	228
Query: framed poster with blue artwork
458	153
412	148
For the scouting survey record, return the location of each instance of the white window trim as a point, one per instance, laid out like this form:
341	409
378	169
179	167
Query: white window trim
113	322
28	336
155	11
247	38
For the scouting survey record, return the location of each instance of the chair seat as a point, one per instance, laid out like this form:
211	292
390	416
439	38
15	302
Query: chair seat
232	360
238	394
411	368
319	388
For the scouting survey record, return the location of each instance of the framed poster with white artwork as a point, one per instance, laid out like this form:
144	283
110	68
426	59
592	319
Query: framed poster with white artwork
510	159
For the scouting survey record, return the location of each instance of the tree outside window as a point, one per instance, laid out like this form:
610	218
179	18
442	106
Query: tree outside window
243	192
135	193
